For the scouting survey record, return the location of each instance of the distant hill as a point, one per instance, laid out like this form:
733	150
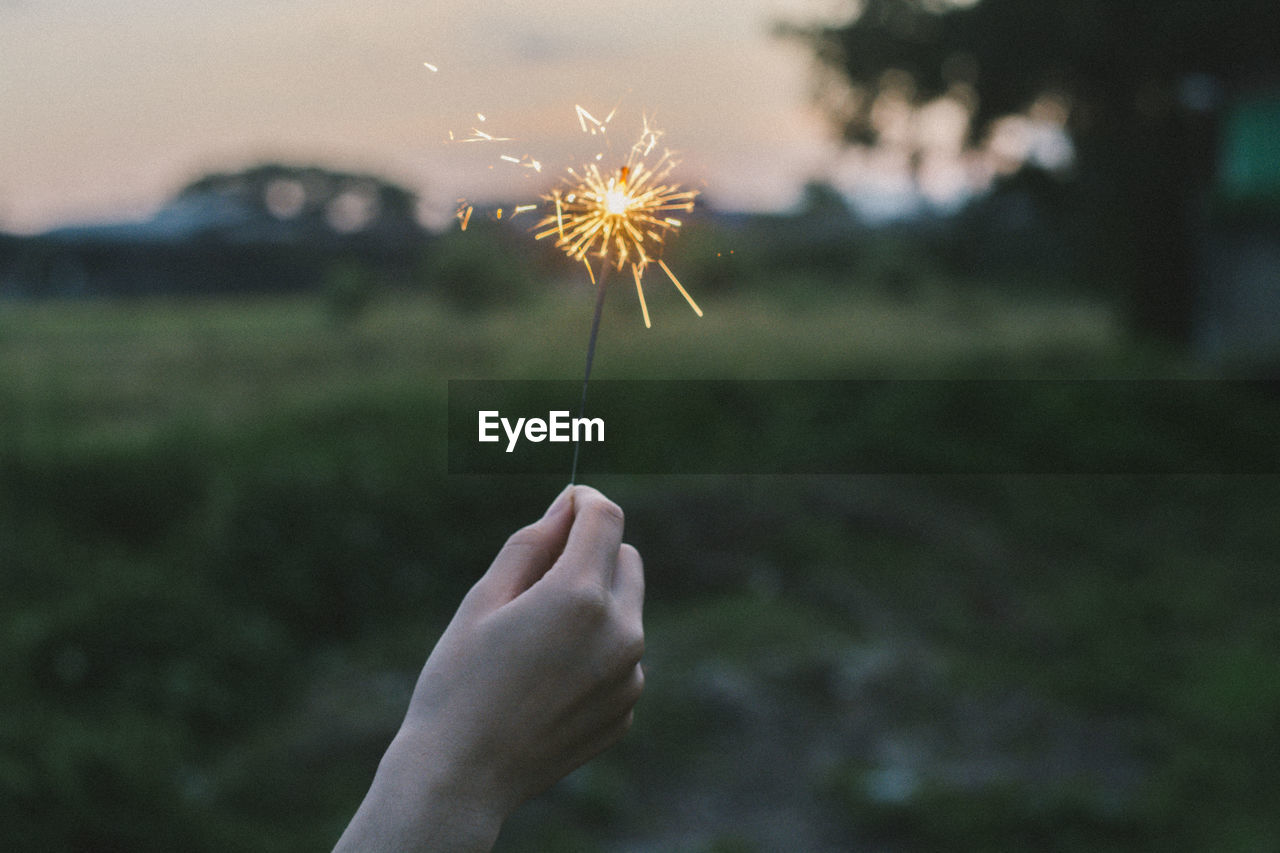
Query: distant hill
270	228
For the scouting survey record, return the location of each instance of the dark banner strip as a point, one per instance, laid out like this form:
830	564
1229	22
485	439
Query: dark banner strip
865	427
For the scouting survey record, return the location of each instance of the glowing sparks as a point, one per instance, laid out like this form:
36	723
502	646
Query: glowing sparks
525	161
619	217
478	135
433	69
463	213
591	124
644	308
616	218
680	287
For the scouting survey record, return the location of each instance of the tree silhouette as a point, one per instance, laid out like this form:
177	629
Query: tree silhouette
316	202
1143	81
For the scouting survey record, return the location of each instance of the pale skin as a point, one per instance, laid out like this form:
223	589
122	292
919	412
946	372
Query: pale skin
536	674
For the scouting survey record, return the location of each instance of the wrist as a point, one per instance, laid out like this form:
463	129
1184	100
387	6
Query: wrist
458	805
422	800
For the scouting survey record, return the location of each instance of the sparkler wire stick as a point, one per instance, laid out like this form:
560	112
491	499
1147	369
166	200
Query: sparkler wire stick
601	286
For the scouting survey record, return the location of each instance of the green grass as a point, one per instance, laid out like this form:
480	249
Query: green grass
124	370
228	541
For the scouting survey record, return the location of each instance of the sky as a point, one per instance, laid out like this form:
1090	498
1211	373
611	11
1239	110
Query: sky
108	107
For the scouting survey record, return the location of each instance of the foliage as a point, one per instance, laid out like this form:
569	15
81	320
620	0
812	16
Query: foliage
1112	59
318	202
228	542
1142	82
481	268
348	288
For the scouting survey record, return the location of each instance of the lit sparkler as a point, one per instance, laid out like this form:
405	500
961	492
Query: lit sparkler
619	217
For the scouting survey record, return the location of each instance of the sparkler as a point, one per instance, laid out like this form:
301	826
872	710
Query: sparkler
620	218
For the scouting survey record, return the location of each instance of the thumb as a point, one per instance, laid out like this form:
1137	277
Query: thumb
527	554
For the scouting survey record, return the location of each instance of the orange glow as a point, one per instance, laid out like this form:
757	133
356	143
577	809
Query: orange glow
619	218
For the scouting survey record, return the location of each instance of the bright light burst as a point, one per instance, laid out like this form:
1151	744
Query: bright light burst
620	217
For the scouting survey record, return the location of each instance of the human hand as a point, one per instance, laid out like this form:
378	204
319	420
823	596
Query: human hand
536	674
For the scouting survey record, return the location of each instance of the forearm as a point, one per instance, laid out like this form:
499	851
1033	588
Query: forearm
420	803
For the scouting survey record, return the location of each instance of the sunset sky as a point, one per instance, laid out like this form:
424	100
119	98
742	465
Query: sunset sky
107	108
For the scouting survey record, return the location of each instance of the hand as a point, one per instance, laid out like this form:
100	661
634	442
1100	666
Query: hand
537	673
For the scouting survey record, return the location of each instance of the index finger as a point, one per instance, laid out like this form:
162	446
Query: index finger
594	538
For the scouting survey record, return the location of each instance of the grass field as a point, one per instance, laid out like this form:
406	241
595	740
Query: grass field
227	542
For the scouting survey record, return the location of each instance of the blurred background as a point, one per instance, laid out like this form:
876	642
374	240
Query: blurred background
233	289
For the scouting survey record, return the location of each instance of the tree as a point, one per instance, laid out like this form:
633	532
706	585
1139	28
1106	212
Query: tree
1143	82
316	203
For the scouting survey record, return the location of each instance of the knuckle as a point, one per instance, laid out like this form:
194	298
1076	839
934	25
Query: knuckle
633	644
630	559
637	682
588	600
630	562
596	507
530	542
529	536
623	659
